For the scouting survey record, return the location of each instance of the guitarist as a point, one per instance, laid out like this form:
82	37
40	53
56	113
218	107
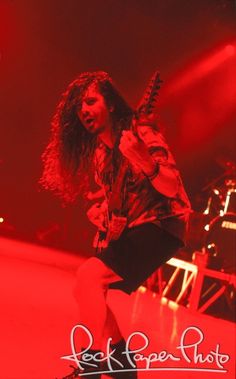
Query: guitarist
95	131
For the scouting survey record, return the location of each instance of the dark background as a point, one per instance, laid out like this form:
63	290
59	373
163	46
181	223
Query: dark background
45	44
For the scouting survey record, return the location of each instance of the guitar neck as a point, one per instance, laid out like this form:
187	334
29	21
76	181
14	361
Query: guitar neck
144	109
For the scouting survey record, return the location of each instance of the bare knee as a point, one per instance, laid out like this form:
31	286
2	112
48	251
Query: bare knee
93	275
89	277
88	274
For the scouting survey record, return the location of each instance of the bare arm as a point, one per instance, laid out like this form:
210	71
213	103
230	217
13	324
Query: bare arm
149	153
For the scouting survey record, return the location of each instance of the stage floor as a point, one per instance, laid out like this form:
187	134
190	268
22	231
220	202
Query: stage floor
38	312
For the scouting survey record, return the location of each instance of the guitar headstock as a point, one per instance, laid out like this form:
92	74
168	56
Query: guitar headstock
148	102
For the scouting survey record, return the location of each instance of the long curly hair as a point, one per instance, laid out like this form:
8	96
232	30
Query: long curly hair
68	157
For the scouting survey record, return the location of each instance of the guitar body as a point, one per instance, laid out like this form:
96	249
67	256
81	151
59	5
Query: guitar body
116	227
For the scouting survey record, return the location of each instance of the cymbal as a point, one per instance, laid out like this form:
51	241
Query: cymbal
226	164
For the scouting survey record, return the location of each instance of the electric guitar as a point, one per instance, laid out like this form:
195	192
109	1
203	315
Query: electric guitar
116	220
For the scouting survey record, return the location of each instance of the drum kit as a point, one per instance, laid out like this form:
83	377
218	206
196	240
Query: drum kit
214	229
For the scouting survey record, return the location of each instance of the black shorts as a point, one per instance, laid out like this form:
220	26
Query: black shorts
138	253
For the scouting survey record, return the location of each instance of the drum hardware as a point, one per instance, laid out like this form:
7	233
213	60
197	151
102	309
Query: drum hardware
220	241
210	201
220	227
219	193
228	198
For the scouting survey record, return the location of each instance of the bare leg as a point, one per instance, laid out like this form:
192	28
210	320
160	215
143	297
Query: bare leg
111	329
93	278
90	292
